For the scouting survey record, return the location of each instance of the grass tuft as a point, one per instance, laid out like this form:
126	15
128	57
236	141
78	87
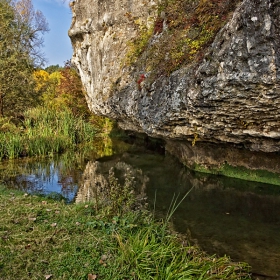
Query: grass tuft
40	237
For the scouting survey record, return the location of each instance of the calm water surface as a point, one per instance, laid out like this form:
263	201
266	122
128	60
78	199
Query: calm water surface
222	215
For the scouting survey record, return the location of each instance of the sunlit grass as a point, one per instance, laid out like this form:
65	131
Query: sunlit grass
44	132
43	238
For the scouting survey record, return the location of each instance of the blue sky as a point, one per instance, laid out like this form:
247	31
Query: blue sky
57	45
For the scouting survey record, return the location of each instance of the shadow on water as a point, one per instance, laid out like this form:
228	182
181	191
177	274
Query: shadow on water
222	215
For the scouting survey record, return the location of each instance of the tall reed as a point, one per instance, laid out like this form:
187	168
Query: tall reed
45	131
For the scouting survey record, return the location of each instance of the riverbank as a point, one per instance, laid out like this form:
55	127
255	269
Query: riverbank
42	238
227	160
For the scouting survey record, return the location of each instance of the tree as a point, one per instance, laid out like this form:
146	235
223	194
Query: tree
50	95
53	68
32	25
71	91
41	78
64	90
20	42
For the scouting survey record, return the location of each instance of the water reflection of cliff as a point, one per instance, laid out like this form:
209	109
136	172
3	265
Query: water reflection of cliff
223	215
95	183
226	216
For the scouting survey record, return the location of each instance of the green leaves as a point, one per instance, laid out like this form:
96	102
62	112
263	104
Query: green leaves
20	26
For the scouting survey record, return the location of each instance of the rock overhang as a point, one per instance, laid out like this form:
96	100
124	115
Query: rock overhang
227	91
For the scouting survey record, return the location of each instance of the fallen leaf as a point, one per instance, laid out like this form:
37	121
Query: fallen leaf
57	212
92	276
86	206
26	194
32	219
44	202
48	210
54	224
104	257
5	237
49	276
77	223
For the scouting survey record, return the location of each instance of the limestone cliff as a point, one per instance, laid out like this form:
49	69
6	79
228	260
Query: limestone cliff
183	70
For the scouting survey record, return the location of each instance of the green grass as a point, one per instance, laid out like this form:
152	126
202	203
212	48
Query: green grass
40	237
44	131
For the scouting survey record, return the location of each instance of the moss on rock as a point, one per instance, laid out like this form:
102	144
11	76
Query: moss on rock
241	172
179	35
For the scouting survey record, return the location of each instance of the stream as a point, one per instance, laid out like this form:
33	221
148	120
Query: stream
224	216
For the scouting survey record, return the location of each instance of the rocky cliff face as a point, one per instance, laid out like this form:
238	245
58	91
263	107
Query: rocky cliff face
214	78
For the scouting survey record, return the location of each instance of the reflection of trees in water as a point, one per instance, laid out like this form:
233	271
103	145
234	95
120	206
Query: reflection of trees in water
95	184
38	175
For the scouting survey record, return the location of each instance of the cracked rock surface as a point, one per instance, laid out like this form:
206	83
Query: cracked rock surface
232	95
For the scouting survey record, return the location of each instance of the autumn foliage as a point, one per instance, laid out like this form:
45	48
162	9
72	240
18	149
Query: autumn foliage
70	91
180	35
62	89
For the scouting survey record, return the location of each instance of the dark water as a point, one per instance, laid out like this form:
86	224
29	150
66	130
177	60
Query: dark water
222	215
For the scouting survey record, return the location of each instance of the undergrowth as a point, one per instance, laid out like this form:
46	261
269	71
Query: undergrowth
44	131
41	238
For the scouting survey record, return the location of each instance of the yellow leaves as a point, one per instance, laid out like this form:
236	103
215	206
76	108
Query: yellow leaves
46	82
50	91
194	139
41	78
41	74
137	45
24	9
55	77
